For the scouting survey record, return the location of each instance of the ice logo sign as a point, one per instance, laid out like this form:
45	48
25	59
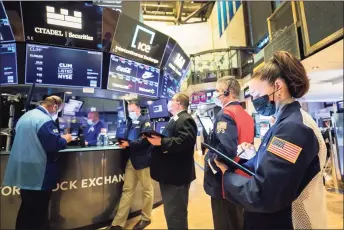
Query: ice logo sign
63	19
65	71
139	44
179	61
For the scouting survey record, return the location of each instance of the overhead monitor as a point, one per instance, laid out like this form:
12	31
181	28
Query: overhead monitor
133	77
169	86
158	109
207	124
72	106
76	24
56	66
8	64
6	33
178	63
139	42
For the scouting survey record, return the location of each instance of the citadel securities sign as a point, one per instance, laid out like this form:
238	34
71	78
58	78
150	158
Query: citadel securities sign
63	23
138	42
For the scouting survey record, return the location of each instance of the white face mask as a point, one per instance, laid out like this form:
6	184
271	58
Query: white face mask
169	106
89	122
217	101
54	117
133	116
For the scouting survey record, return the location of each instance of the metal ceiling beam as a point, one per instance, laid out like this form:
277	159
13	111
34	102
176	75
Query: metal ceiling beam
179	12
197	11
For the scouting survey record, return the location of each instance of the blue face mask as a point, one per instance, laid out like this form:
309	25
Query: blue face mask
264	106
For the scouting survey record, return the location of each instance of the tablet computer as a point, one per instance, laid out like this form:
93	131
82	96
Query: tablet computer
152	132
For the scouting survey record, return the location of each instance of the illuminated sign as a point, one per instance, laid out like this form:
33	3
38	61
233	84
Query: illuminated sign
178	63
63	23
138	42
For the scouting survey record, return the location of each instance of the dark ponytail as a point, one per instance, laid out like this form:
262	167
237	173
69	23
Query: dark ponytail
284	65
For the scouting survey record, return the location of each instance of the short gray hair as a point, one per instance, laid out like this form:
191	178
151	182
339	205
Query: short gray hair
229	83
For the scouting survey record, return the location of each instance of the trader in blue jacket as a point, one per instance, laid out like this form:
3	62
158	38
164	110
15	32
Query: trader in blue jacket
94	127
286	190
137	169
33	162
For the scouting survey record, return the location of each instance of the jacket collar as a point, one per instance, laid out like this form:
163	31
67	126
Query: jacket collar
44	110
287	110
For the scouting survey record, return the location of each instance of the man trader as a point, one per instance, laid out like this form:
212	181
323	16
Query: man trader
94	128
232	126
137	169
33	162
172	162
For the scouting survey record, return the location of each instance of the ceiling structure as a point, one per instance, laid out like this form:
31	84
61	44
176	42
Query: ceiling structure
325	71
177	12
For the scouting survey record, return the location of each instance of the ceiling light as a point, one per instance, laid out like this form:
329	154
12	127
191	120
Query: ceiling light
68	92
315	67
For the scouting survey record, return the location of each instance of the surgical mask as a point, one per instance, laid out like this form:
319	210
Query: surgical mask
90	122
169	106
264	106
133	116
216	98
54	117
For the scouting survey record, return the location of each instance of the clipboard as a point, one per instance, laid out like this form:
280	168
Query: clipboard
152	132
238	166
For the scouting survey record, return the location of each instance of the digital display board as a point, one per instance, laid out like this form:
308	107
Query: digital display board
73	24
6	34
63	66
133	77
169	86
178	63
136	41
8	64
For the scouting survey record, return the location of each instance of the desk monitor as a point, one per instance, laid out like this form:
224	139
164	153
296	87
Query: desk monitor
207	124
72	107
158	109
160	126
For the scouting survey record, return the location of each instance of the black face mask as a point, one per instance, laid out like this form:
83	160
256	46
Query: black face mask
264	106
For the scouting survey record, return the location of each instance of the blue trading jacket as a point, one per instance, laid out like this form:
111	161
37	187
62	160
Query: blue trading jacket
91	133
32	163
287	190
139	148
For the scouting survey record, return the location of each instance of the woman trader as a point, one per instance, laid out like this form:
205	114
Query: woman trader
286	191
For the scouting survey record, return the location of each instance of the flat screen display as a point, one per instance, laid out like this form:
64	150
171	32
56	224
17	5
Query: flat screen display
133	77
72	107
160	126
207	124
8	64
158	109
56	66
178	63
169	86
136	41
73	24
6	34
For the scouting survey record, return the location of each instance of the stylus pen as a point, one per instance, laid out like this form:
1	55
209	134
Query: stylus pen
243	151
235	163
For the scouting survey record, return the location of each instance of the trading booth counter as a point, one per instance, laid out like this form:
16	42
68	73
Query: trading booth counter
88	193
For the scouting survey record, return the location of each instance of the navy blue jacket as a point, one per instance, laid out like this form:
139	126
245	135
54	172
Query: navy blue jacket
33	161
139	148
287	190
232	126
91	133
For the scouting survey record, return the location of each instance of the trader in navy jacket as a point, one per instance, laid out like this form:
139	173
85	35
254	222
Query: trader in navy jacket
137	169
33	162
93	129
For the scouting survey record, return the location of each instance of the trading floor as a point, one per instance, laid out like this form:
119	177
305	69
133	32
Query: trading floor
200	210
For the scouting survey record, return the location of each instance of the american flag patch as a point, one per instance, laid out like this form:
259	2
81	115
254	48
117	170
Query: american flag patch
284	149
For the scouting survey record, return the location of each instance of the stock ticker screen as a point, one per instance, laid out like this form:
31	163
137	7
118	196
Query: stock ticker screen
133	77
169	86
8	64
56	66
